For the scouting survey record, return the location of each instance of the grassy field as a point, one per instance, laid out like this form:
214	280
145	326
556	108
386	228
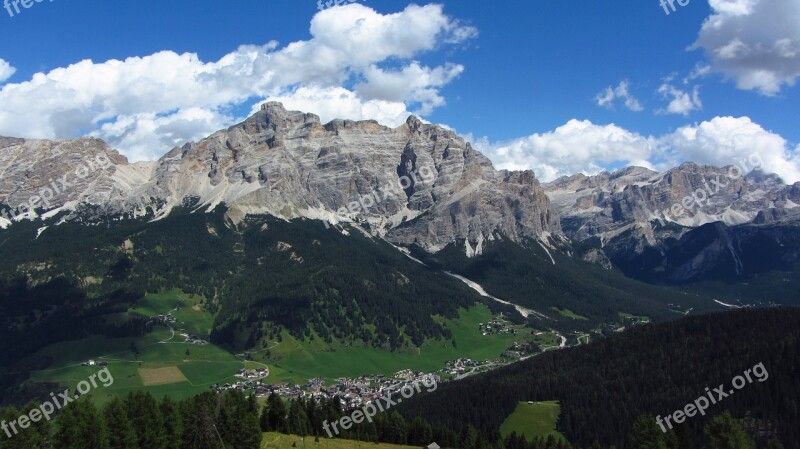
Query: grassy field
165	365
568	313
533	420
185	308
169	366
299	361
546	339
279	441
639	318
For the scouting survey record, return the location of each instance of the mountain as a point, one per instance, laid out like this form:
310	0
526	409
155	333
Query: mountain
689	223
416	184
347	233
419	189
367	244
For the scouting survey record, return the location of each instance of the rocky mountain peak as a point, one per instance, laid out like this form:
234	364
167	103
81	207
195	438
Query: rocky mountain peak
416	184
690	195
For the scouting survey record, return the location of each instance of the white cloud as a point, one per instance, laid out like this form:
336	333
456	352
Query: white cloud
699	71
755	42
608	97
681	102
578	146
584	147
5	70
140	133
145	105
728	141
338	102
415	83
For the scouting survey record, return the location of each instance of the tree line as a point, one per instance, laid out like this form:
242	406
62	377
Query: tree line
648	370
231	420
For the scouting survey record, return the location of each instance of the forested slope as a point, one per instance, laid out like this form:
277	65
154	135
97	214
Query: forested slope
649	370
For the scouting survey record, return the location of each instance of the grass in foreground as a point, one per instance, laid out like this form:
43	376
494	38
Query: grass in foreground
534	420
280	441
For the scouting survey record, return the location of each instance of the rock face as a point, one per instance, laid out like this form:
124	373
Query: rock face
416	184
61	175
689	222
633	199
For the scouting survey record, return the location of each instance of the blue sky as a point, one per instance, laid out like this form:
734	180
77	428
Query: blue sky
554	86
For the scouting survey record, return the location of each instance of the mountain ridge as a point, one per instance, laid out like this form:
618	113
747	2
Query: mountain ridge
417	184
287	164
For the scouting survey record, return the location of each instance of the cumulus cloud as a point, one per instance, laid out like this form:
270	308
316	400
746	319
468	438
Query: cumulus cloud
140	133
755	42
608	97
681	102
338	102
729	140
585	147
578	146
414	82
145	105
5	70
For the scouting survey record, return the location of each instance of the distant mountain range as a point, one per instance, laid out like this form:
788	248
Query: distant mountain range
690	222
420	186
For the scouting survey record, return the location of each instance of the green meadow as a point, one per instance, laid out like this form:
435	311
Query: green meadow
280	441
291	360
533	420
568	313
202	365
302	360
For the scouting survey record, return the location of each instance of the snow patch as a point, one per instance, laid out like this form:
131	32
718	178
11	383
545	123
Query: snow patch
547	251
727	305
525	312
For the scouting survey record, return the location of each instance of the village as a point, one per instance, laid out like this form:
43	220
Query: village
351	392
354	392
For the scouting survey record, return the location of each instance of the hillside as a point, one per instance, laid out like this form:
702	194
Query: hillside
603	387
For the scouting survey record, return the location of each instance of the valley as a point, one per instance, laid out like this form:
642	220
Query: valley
289	361
446	224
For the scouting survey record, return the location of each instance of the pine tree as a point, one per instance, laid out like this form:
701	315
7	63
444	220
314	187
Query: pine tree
297	420
724	432
679	437
469	438
774	444
146	418
35	436
198	426
263	420
80	426
171	416
249	435
396	429
277	413
647	435
121	434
